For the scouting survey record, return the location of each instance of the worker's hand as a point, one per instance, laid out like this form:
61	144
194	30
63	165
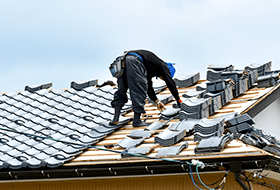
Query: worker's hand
160	105
179	102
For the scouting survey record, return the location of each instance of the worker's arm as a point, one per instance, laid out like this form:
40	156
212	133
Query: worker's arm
169	82
153	97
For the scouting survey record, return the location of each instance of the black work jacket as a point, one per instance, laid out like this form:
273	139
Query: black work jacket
155	68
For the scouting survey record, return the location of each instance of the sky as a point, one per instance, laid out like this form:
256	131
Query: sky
61	41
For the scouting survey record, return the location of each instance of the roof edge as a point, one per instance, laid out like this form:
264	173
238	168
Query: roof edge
263	102
140	169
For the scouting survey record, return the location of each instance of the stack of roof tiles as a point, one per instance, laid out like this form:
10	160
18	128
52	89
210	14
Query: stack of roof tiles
242	79
240	124
268	80
221	90
186	80
194	108
213	144
207	128
169	137
187	125
261	68
214	71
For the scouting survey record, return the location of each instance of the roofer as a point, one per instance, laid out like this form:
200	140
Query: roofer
140	67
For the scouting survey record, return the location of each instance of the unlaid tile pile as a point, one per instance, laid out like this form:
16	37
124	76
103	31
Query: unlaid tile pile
207	128
240	124
213	144
186	80
214	71
194	108
271	78
168	137
187	125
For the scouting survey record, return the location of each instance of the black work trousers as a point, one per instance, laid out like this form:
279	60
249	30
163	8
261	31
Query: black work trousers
134	78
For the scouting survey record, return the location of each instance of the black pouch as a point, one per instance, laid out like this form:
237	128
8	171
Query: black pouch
117	67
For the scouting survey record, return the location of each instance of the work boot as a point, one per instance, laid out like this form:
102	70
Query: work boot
115	120
137	121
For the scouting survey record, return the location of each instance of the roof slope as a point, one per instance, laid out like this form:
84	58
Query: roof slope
52	128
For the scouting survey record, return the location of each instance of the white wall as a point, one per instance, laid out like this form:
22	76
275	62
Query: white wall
269	119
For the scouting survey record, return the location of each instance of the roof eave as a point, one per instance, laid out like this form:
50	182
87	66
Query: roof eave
137	169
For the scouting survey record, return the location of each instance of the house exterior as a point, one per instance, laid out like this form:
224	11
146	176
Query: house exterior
269	119
60	138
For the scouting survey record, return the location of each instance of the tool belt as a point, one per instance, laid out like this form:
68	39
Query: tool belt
117	67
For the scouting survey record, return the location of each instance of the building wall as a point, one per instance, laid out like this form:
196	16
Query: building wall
173	182
269	119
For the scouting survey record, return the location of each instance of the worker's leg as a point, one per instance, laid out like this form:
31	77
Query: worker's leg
120	98
115	120
138	87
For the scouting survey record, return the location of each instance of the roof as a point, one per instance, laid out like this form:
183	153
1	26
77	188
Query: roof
32	118
60	129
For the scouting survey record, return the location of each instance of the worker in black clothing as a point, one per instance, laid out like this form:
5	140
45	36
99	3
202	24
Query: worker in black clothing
140	67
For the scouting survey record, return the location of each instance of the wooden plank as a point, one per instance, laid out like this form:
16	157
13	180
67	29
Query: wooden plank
232	107
229	111
237	102
244	98
256	89
183	156
251	93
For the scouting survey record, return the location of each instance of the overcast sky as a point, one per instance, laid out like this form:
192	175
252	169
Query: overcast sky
60	41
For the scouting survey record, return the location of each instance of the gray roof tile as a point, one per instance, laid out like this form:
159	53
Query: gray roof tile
168	137
156	125
130	142
140	134
132	150
213	144
172	150
186	80
80	117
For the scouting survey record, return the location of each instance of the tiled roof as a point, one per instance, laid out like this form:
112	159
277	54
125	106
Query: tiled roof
36	123
77	116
